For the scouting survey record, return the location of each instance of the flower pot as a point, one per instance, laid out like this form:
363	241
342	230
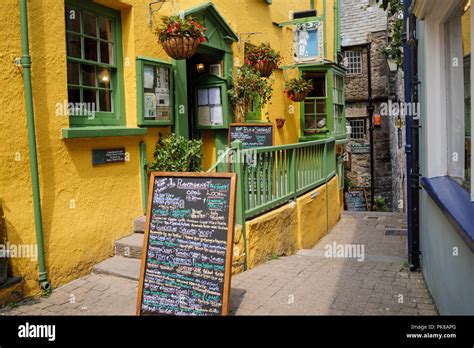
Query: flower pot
265	68
280	122
3	269
181	47
297	96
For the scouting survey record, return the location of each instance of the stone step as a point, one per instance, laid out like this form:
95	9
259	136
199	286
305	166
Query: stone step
130	247
119	266
139	224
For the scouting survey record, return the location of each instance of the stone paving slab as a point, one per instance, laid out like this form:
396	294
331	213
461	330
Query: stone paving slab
308	283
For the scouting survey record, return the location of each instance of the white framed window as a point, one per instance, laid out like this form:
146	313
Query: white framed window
357	129
354	62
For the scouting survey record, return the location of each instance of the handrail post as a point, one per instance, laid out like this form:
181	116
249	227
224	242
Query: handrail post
293	172
238	165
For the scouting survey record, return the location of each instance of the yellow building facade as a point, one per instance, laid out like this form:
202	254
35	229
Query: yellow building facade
85	207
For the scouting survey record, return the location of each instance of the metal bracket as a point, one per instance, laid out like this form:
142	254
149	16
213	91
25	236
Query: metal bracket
151	11
248	35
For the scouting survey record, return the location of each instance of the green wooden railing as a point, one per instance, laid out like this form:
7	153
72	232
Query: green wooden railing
268	177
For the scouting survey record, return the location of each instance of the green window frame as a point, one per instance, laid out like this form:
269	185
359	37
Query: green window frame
315	107
95	76
142	63
221	84
338	103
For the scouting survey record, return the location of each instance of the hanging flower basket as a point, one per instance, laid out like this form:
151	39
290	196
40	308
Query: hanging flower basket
181	47
180	37
297	96
298	89
265	68
264	59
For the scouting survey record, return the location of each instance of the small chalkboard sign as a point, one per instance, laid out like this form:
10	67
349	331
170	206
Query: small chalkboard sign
187	253
106	156
252	135
356	200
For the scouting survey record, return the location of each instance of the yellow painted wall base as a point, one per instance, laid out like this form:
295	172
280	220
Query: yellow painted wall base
289	228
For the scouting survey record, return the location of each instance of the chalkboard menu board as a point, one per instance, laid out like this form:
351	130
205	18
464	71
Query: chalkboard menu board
356	200
187	254
251	134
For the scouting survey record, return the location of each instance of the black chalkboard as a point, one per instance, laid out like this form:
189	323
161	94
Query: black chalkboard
251	134
187	254
356	200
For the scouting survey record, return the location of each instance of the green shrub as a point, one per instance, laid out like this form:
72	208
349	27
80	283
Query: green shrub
380	204
174	153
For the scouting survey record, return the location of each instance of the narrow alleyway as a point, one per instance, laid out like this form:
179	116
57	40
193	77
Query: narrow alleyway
374	281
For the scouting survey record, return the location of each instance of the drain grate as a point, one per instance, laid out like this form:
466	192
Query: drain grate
396	232
372	217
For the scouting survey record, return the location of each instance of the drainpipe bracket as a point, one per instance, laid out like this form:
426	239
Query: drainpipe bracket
23	62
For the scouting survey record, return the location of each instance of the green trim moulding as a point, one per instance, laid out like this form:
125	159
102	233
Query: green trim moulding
95	132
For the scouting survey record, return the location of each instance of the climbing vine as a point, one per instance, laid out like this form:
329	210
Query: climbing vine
394	50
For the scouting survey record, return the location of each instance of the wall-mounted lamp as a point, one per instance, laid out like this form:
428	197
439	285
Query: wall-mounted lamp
200	68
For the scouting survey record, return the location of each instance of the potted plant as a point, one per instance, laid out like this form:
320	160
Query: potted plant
180	37
245	86
264	59
298	89
174	153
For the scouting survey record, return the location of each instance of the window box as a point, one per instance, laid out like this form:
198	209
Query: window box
155	93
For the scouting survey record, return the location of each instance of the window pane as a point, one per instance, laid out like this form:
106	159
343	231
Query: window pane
73	45
309	107
106	53
321	121
90	24
73	95
90	49
105	29
88	75
319	84
73	71
90	99
310	122
104	78
105	98
73	19
321	107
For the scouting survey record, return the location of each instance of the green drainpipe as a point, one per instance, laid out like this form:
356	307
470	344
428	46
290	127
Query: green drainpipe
25	62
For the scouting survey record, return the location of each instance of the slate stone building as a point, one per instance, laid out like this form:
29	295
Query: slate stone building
363	22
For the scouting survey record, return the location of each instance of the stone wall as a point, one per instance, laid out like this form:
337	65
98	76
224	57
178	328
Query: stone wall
388	154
